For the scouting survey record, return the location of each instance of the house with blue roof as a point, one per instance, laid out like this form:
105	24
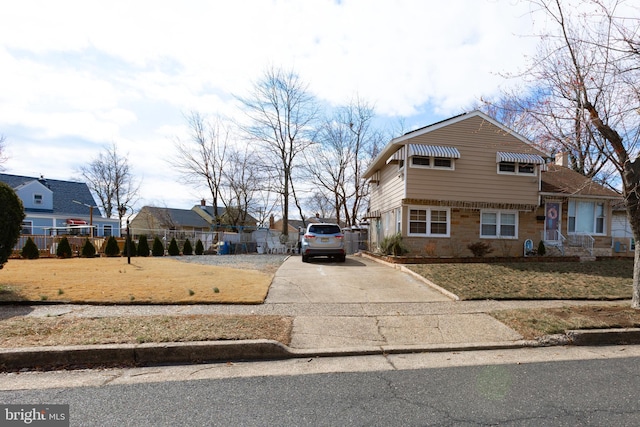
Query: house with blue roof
55	207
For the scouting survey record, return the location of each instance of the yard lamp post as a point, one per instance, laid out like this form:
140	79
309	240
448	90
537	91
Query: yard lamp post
123	211
90	215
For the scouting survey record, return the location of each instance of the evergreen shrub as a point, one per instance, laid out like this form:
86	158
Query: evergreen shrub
30	250
112	248
541	249
173	250
88	250
11	216
129	244
187	249
143	246
199	247
64	249
158	248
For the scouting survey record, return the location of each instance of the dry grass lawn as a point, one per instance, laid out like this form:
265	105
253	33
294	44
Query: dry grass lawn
52	331
144	281
536	323
600	280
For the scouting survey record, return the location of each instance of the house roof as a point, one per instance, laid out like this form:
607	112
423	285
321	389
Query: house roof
564	181
170	217
401	141
64	193
251	221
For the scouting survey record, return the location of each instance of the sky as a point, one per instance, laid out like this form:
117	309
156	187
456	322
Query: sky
79	76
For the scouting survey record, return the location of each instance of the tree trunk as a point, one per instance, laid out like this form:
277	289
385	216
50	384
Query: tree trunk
635	292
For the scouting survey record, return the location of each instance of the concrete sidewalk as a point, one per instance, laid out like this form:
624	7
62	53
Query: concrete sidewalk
338	310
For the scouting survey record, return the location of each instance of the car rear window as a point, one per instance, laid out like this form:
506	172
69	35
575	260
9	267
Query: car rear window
324	229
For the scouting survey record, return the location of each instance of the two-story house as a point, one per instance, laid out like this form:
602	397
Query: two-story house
470	179
56	207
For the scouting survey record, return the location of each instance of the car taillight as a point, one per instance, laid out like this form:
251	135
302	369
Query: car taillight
339	236
309	236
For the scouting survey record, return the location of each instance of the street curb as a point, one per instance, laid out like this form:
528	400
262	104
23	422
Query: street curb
619	336
84	356
150	354
153	354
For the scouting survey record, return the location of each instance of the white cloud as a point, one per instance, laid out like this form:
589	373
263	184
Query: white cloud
125	71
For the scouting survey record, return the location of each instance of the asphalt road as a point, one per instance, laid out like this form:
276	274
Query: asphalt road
591	392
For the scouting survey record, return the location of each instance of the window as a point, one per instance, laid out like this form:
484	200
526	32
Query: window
431	162
516	168
429	222
27	227
420	161
37	199
499	224
440	162
586	217
526	168
107	231
398	220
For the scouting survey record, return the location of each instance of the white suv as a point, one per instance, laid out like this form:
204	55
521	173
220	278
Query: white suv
323	240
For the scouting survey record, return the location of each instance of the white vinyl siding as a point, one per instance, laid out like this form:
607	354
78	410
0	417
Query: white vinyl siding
429	221
499	224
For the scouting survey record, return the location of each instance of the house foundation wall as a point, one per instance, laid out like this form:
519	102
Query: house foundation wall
465	230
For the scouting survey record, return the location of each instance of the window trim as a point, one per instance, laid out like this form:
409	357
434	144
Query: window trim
38	199
517	166
498	224
593	231
428	222
106	227
26	224
432	162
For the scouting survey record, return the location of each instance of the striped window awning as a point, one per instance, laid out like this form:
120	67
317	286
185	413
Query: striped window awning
519	158
433	151
397	156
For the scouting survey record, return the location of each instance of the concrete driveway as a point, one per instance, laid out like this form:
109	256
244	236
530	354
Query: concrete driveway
363	303
358	280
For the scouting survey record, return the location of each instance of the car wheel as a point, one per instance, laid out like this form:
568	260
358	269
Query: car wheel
305	258
343	258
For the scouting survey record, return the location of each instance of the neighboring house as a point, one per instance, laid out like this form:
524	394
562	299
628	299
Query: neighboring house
55	207
195	224
622	236
207	213
469	179
296	226
154	220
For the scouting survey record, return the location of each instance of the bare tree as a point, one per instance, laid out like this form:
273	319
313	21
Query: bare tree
347	142
202	158
320	204
109	177
3	150
598	79
280	112
242	180
546	116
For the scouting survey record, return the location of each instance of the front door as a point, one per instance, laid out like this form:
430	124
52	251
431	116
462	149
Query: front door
552	222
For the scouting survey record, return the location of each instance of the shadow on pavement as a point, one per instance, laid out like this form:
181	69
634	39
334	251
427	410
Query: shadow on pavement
350	262
8	311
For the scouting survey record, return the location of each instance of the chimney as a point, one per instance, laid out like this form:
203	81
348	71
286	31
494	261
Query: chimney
272	221
203	203
562	159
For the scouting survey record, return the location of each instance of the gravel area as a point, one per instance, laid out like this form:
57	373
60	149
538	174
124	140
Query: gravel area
262	262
